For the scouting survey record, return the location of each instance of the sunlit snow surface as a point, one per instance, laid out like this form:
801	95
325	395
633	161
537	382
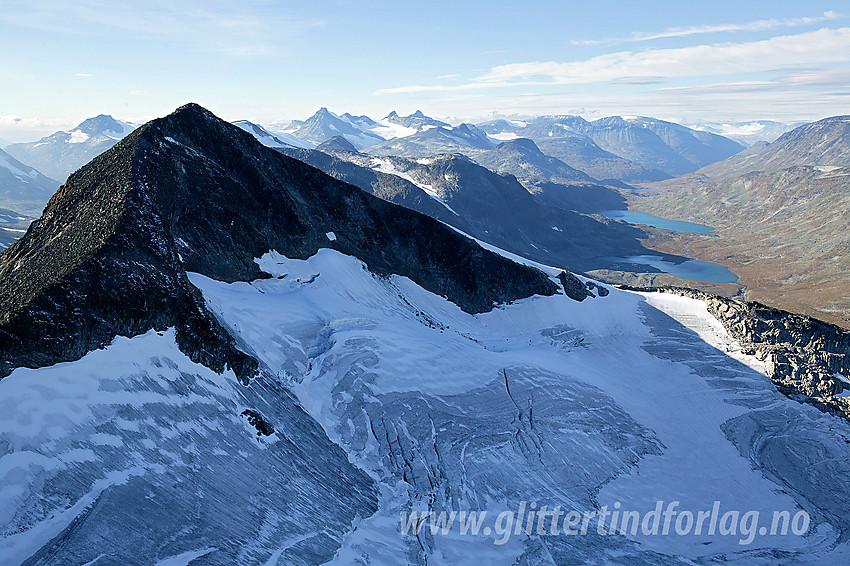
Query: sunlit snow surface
628	398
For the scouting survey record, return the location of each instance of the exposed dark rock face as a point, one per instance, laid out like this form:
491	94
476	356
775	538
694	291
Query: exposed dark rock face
494	208
803	356
573	286
256	420
192	193
336	143
600	290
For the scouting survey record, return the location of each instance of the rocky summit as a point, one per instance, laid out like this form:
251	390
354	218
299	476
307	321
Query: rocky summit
190	192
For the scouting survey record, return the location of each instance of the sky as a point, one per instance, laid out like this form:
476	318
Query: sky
269	61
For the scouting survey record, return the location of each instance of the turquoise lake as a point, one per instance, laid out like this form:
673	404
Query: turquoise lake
635	217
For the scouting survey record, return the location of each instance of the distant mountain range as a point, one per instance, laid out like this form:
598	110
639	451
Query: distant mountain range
825	142
436	140
550	224
22	188
631	149
269	139
747	133
23	194
324	125
522	158
60	154
417	120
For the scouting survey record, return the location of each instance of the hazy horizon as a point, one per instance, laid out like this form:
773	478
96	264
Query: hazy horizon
275	61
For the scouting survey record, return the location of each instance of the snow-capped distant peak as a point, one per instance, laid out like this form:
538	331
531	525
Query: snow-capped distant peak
273	140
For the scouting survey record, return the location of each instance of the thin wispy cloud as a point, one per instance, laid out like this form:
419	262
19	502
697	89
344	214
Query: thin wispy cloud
758	25
817	47
800	80
218	27
653	65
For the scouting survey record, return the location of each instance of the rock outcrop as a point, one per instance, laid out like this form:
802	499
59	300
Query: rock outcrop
807	359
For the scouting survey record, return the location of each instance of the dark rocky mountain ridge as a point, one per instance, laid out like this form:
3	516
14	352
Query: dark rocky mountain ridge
546	225
191	193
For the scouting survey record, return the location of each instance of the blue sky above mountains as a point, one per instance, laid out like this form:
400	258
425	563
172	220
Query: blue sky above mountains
271	60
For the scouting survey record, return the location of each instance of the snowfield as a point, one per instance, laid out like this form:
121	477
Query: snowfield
631	398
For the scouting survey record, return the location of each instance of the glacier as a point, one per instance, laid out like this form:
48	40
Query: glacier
414	405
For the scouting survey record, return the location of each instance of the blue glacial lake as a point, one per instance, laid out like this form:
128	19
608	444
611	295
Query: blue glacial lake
635	217
693	269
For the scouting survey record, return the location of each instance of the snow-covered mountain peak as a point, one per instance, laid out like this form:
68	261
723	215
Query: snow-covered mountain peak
273	140
104	125
61	153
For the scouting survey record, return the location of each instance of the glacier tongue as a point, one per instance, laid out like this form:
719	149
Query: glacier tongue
626	399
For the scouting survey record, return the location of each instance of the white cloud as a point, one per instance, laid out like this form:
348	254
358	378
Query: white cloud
758	25
811	48
16	128
807	80
654	65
